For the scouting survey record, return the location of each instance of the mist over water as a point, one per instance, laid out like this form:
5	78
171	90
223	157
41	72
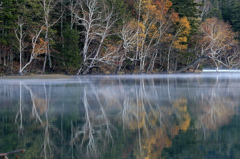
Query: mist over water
127	116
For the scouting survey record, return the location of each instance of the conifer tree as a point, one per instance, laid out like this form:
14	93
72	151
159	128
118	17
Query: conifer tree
185	8
235	15
71	49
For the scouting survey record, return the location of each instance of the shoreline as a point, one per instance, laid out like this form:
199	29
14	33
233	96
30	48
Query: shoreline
64	76
38	76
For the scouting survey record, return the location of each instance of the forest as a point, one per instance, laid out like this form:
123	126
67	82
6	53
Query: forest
118	36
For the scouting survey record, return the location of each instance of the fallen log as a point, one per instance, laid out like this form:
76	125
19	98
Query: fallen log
12	152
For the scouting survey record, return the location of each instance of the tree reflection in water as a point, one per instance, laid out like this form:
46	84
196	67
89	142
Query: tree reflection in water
92	117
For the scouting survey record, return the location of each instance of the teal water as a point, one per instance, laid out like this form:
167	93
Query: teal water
129	116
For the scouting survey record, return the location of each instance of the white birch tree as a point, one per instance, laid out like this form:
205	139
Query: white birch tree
34	53
48	7
97	19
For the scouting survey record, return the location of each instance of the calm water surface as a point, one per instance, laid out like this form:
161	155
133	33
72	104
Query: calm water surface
110	117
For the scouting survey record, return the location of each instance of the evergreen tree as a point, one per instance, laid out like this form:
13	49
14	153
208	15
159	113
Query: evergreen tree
235	15
8	15
185	8
70	50
226	9
215	12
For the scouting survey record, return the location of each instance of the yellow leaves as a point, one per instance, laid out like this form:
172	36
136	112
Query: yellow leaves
149	7
141	28
154	144
183	31
181	106
178	43
166	38
185	124
137	123
184	24
153	31
139	37
153	119
154	138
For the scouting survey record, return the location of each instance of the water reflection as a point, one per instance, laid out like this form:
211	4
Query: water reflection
120	117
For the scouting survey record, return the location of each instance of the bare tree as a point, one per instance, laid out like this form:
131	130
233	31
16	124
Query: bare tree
88	17
107	24
35	112
19	115
144	36
73	6
20	35
128	35
97	20
96	133
205	7
34	53
217	38
48	6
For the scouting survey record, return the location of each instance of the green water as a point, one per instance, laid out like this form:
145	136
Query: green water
111	117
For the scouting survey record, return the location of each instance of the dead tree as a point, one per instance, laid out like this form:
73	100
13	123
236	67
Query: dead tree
12	152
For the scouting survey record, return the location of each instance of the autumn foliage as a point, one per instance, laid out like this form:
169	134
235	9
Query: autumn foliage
147	36
155	140
217	33
40	48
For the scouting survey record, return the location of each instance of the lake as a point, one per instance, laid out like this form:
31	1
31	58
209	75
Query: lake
129	116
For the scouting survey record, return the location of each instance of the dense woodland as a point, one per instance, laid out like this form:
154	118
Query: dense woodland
118	36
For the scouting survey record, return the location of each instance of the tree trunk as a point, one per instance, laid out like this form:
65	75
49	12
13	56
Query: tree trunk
152	61
11	61
176	64
4	57
20	72
168	60
1	56
197	61
44	64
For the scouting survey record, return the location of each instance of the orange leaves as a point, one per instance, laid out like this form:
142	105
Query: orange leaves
216	40
157	9
217	31
184	25
174	16
217	113
40	48
163	7
41	105
157	15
